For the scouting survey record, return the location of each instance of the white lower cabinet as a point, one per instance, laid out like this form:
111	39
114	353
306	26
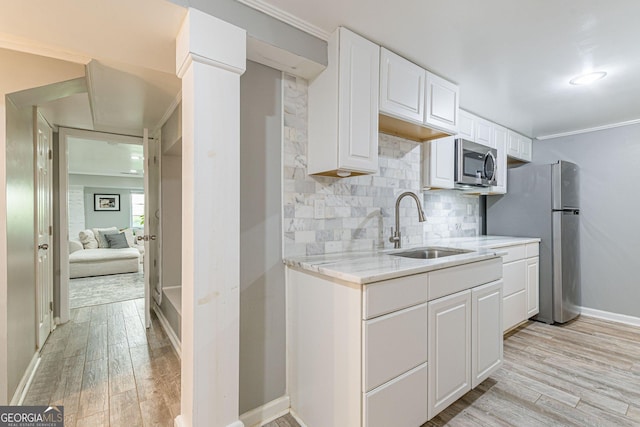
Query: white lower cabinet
533	283
486	331
391	353
465	343
449	350
521	283
393	344
401	402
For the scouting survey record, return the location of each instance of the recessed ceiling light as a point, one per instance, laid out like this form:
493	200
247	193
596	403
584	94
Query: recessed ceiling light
588	78
136	158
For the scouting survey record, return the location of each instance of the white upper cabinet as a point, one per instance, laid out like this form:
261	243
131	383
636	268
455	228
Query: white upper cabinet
466	125
442	100
343	109
519	147
484	132
500	144
401	87
475	129
438	163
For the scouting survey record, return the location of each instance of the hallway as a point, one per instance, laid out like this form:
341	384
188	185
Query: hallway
107	370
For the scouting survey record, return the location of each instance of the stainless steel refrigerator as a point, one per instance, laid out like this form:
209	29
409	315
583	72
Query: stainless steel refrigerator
543	201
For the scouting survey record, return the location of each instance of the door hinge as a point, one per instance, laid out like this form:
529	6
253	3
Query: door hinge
50	231
50	154
50	305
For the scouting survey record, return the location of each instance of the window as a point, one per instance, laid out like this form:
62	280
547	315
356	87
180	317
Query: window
137	210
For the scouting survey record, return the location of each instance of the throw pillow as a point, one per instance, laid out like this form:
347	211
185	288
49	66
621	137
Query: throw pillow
88	239
131	239
116	240
98	232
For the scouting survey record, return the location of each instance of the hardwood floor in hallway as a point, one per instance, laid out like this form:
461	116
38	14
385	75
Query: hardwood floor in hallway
108	370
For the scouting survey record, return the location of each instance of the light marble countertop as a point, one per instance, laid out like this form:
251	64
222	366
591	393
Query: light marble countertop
374	266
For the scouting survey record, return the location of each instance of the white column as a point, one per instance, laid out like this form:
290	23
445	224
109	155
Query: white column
210	58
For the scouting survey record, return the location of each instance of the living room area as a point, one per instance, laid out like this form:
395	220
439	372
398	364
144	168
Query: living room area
105	219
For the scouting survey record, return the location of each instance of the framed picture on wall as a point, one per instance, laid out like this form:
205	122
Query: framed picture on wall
106	202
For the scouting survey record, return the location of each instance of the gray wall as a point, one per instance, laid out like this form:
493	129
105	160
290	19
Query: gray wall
120	219
171	220
609	202
262	290
21	280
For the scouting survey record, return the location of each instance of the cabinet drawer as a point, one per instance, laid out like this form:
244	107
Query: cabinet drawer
394	344
455	279
514	253
514	275
533	249
514	309
391	295
400	402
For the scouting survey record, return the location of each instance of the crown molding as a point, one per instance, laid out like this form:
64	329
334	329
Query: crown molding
21	44
587	130
287	18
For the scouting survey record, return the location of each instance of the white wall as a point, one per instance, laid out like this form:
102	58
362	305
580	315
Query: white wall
76	210
609	207
171	220
21	280
262	290
19	71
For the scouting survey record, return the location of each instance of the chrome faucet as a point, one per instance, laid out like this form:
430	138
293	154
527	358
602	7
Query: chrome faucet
395	236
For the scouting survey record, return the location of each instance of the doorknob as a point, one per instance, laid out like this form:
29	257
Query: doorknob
152	237
146	238
43	246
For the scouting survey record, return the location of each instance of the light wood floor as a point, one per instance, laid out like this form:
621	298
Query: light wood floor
108	370
584	373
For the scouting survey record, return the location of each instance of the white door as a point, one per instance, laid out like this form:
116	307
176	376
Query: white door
151	221
44	230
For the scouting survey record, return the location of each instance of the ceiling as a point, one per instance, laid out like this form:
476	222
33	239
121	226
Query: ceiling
512	59
107	158
125	50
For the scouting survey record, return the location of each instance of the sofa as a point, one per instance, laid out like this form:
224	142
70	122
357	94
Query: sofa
91	254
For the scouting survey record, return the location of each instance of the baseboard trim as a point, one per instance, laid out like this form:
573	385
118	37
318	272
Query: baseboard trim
607	315
266	413
27	379
179	421
297	418
175	341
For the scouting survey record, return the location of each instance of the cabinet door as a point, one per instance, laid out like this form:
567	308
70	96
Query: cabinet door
400	402
514	309
486	331
525	148
442	100
466	126
401	87
359	79
438	163
393	344
533	280
449	350
484	132
500	142
513	144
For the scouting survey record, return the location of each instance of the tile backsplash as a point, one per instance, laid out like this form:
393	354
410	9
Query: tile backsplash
324	215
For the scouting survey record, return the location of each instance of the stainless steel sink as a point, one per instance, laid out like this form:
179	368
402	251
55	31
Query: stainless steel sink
430	253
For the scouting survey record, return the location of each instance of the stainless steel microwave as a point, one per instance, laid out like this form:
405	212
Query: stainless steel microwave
475	165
